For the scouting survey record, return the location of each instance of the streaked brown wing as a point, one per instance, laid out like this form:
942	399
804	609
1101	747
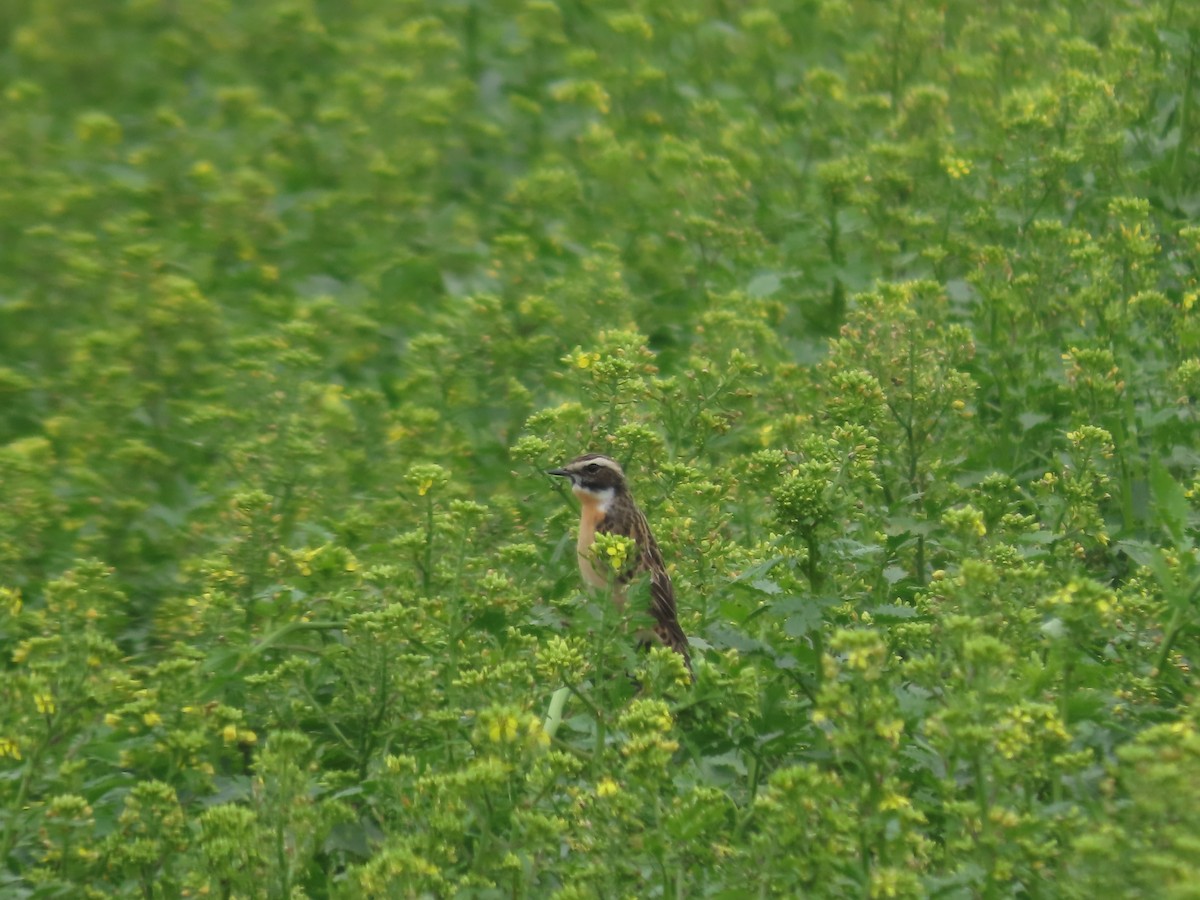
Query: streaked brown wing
662	604
630	521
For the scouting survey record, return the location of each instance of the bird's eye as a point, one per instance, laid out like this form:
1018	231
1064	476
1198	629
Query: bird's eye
592	467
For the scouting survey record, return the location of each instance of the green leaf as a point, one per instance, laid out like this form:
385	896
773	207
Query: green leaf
764	285
766	586
803	621
1170	504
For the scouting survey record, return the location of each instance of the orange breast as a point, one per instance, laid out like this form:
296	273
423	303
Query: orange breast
591	516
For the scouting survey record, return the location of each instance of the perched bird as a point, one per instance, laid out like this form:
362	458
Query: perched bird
608	508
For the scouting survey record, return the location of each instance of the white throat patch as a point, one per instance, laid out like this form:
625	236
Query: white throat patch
601	499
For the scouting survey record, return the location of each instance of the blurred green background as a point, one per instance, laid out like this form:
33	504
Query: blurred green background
889	308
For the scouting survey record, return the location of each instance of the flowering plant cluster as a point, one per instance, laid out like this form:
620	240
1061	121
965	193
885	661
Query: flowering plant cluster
888	309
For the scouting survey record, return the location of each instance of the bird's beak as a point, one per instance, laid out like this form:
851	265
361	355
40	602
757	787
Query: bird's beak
560	472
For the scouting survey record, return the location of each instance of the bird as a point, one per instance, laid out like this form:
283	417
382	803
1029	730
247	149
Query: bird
608	507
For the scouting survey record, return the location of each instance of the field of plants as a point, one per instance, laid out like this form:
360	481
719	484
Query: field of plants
890	309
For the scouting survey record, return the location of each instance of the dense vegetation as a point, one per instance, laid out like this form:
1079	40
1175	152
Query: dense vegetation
888	307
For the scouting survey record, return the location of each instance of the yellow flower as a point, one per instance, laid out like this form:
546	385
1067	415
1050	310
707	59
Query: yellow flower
607	787
536	734
229	734
616	557
397	765
425	477
8	747
152	719
503	729
11	597
617	548
44	703
1004	817
859	658
585	360
956	168
893	802
890	730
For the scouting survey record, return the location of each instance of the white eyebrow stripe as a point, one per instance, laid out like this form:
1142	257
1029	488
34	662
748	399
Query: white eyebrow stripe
603	461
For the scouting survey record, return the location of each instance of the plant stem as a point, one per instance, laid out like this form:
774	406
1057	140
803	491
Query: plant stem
427	566
554	715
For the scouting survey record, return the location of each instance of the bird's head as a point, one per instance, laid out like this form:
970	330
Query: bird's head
593	476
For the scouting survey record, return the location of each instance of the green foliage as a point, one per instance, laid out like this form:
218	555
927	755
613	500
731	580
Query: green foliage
891	311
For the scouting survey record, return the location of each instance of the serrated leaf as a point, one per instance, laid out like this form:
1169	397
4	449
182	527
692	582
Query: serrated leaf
1170	504
803	621
757	571
1140	553
764	285
723	638
1030	420
1151	557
